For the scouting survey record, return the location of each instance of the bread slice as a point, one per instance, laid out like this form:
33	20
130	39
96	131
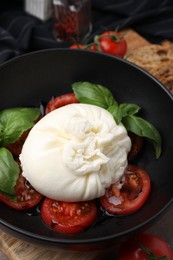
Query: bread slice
164	73
156	59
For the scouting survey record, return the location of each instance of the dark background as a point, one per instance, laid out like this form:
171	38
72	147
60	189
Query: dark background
21	33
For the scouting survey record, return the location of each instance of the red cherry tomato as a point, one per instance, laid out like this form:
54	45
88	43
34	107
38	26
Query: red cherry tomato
60	101
131	196
68	217
137	143
92	47
27	196
111	42
144	247
77	46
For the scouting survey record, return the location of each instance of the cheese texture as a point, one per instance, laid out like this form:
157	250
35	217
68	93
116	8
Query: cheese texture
75	152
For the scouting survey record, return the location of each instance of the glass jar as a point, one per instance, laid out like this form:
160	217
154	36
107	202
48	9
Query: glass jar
71	20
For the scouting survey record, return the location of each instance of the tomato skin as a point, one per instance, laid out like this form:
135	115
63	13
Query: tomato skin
112	43
77	46
91	46
27	196
131	196
131	249
137	144
60	101
68	217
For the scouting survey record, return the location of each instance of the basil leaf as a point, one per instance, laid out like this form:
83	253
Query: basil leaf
14	121
145	129
9	172
116	112
94	94
129	109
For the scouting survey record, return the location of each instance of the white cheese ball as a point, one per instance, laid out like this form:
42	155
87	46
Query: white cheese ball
75	152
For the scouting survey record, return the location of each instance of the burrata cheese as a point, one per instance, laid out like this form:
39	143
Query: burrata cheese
75	152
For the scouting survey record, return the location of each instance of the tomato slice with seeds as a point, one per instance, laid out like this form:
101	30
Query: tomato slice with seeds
60	101
68	217
131	196
27	196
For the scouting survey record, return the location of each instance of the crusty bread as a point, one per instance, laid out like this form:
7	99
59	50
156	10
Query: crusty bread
164	73
158	60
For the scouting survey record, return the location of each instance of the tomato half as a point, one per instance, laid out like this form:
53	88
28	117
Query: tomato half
131	196
112	43
143	247
137	143
60	101
68	217
27	196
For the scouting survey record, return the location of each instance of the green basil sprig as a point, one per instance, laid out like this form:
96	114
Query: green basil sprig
13	122
9	173
93	94
96	94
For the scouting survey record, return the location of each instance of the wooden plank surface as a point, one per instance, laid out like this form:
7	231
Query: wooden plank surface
16	249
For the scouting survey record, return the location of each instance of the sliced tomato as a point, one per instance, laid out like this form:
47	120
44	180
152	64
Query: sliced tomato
143	247
68	217
16	148
134	191
60	101
27	196
137	143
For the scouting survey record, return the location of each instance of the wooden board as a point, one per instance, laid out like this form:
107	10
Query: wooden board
16	249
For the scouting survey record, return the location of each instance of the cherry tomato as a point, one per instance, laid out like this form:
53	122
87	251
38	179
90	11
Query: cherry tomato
92	47
137	143
68	217
131	196
144	247
27	196
60	101
77	46
111	42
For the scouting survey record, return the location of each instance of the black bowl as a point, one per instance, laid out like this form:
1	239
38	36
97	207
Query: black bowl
35	77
